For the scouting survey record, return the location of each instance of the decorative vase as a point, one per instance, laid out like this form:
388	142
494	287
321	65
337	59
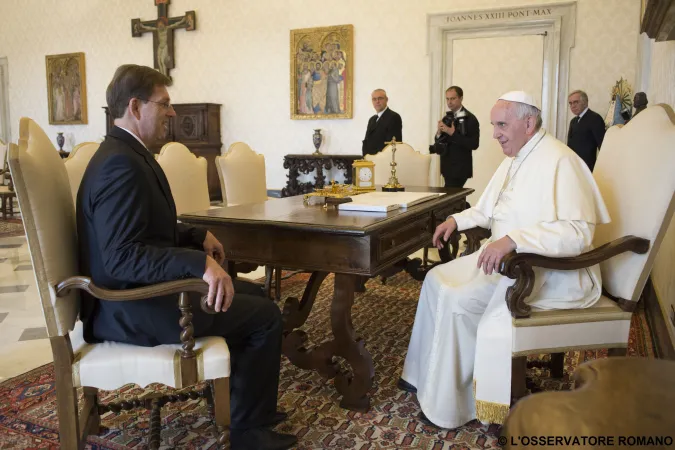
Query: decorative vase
317	138
60	140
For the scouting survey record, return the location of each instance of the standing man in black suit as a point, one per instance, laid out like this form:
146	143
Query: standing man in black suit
383	126
457	137
587	129
129	237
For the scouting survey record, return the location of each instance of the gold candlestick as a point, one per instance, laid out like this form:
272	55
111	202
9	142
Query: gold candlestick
393	185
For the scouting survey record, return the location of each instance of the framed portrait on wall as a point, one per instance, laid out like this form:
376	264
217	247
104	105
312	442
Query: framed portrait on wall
66	89
322	69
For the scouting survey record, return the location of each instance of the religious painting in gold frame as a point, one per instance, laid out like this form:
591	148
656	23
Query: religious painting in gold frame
322	70
66	89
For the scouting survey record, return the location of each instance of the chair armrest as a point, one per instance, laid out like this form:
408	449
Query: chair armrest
167	288
473	238
519	266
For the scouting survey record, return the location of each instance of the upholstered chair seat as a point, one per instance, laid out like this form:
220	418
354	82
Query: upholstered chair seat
109	365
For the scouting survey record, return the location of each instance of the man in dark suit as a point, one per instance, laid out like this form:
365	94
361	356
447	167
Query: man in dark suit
587	129
129	237
383	126
457	137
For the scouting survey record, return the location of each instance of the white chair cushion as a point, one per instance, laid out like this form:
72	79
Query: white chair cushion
634	172
412	168
602	325
111	365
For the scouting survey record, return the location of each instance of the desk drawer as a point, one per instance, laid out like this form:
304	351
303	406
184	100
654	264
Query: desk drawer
407	235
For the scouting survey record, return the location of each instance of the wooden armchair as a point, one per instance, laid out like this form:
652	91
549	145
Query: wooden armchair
634	172
44	194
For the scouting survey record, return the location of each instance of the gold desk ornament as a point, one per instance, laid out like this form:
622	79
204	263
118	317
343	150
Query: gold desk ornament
363	175
334	194
393	185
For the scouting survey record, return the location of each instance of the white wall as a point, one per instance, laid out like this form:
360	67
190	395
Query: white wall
239	57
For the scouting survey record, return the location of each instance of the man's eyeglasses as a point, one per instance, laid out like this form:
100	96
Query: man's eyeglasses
165	105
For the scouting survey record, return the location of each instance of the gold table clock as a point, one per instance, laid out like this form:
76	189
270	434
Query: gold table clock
363	175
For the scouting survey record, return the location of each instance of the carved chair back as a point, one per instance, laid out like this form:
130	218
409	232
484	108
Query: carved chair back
242	175
187	177
634	172
412	167
77	163
44	194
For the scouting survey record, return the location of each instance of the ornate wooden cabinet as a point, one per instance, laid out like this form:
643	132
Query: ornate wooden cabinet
197	126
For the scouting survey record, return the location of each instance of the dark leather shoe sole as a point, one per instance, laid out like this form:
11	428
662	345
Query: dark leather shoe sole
405	386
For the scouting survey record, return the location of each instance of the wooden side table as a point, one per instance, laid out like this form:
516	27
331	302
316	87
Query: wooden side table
297	164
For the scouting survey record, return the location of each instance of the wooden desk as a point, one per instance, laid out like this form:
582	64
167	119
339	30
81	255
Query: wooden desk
285	232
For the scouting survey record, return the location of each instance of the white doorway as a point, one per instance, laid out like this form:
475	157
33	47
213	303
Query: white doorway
5	134
484	69
501	49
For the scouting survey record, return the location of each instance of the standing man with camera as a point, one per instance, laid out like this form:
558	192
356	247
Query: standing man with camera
457	136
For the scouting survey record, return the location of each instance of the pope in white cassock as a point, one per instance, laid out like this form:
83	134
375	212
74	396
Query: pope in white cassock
542	199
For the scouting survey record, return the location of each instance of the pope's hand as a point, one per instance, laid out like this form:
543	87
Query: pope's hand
492	255
214	248
444	230
221	289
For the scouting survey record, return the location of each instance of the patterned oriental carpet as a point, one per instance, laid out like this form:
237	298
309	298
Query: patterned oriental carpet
383	315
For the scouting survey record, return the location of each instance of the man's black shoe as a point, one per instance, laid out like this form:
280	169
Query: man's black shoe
279	416
405	386
261	439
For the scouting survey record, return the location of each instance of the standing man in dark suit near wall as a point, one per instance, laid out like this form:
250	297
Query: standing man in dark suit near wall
587	129
457	137
129	237
383	126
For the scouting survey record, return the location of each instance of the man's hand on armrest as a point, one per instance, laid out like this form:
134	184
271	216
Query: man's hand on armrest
492	255
444	230
221	289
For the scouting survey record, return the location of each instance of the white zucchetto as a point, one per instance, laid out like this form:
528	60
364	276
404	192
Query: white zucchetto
520	97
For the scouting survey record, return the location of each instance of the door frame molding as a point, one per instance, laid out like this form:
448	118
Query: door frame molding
556	20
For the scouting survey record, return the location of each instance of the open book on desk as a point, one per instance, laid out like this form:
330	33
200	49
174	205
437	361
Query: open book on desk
386	201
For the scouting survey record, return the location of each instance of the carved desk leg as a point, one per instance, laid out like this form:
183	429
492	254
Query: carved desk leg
353	386
293	346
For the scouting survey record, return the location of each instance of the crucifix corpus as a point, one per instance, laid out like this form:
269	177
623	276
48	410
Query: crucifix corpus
162	33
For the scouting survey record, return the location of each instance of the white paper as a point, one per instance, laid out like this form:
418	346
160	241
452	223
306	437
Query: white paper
386	201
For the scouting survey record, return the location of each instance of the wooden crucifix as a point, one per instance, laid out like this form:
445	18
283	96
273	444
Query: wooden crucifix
162	33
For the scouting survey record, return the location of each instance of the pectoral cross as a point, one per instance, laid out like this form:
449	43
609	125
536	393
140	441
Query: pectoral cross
162	33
